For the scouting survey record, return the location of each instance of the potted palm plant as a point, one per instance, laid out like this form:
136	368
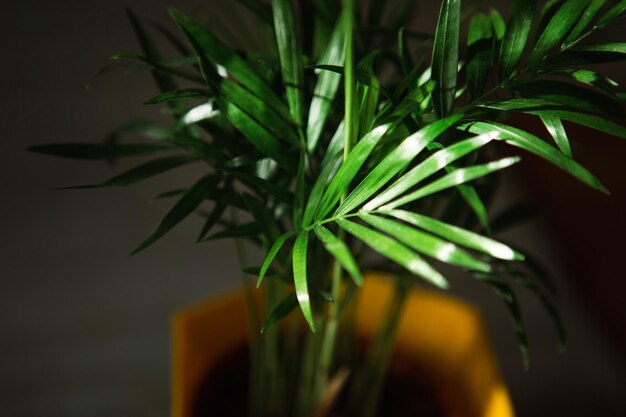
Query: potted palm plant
351	134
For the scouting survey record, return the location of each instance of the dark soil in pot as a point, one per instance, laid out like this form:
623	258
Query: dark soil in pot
407	392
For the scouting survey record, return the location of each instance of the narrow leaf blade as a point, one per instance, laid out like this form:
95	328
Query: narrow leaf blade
326	87
590	12
283	308
340	251
428	167
557	131
480	55
300	277
219	53
425	243
183	208
395	251
103	151
349	169
290	54
446	56
452	179
515	36
533	144
395	162
276	246
458	235
560	24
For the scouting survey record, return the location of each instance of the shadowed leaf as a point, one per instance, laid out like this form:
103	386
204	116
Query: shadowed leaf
290	54
559	25
219	53
188	93
506	294
445	56
515	36
271	254
142	172
182	209
106	151
616	12
480	53
590	12
281	311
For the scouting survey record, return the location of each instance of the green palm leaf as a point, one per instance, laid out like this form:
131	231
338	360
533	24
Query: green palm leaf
425	243
515	36
216	51
182	209
211	220
300	277
577	32
395	162
557	131
183	94
593	79
506	294
257	109
286	306
533	144
290	54
458	235
446	56
559	25
142	172
103	151
340	251
452	179
276	246
259	136
349	169
616	12
326	86
480	53
395	251
428	167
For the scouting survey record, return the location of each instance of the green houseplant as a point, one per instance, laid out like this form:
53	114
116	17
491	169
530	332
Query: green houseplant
348	133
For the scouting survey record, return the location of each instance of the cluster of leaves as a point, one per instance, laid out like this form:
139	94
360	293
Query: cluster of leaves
393	165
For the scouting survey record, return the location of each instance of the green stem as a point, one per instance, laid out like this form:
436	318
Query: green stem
274	379
330	334
255	382
305	398
369	381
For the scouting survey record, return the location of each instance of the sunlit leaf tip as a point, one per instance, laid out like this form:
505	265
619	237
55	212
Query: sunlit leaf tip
301	283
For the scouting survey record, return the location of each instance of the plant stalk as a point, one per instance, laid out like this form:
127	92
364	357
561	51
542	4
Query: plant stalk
330	334
256	375
369	381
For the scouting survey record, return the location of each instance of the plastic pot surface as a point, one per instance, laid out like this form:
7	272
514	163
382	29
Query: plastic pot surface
441	334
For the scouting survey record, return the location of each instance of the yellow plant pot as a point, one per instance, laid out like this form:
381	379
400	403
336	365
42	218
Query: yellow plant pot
444	335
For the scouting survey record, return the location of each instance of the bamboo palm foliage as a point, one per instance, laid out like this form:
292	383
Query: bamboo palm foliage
351	132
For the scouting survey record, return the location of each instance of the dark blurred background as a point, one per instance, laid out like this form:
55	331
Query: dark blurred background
84	327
